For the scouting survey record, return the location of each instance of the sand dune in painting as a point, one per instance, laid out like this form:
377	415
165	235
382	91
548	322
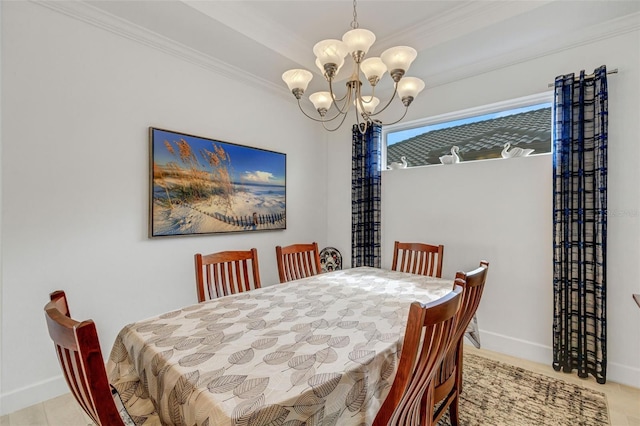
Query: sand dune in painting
266	204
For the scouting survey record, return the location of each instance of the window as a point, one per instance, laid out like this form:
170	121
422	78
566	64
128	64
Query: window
480	133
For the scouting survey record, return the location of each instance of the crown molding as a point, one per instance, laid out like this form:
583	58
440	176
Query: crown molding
612	28
82	11
459	21
455	22
470	16
271	34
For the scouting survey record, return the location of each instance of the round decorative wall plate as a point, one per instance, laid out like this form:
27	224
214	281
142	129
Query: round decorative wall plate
330	259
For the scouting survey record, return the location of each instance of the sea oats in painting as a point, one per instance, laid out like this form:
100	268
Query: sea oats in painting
205	186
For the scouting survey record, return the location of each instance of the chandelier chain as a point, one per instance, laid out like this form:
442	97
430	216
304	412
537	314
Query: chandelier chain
354	23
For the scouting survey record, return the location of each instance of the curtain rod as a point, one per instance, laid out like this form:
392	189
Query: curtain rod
613	71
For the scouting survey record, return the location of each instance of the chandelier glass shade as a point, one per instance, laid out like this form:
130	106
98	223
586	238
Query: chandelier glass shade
330	58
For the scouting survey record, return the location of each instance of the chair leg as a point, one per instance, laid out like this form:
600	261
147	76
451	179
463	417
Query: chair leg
454	412
454	408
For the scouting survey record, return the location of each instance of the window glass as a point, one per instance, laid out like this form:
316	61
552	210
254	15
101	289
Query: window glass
478	137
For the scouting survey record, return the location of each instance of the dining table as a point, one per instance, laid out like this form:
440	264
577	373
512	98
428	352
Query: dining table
322	350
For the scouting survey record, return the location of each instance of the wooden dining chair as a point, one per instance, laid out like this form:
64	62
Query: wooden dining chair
298	261
448	381
418	258
227	272
427	337
83	367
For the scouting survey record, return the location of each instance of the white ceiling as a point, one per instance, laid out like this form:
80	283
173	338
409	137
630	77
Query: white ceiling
259	40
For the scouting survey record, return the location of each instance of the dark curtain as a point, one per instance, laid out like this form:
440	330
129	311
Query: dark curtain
580	224
366	163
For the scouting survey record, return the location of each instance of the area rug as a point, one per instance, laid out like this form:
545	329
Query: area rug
494	393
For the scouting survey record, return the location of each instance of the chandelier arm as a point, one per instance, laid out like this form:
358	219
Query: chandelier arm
344	110
373	94
330	81
359	98
406	109
335	101
395	91
365	115
341	99
361	128
337	127
319	120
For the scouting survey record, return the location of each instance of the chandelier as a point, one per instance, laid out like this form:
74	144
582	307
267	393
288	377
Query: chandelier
330	57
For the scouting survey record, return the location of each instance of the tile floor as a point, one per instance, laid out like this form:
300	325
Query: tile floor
624	401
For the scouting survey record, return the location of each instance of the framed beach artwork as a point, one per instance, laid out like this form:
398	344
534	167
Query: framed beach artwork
202	186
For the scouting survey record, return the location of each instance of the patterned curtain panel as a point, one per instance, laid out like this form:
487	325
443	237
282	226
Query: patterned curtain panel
366	163
580	224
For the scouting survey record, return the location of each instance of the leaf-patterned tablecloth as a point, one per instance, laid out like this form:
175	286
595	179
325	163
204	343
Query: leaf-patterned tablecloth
317	351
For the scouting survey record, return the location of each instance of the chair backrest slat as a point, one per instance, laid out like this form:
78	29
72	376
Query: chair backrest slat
227	272
298	261
418	258
245	276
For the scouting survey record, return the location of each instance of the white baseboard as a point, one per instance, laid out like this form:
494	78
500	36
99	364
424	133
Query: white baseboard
33	394
619	373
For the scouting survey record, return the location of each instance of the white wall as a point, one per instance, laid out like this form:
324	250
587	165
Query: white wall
504	207
1	42
77	103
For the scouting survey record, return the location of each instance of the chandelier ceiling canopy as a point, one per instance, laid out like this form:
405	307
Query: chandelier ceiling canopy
330	58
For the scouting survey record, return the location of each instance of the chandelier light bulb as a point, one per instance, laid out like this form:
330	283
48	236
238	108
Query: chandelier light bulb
358	42
321	101
297	80
373	69
330	51
320	67
398	59
332	71
408	89
369	103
